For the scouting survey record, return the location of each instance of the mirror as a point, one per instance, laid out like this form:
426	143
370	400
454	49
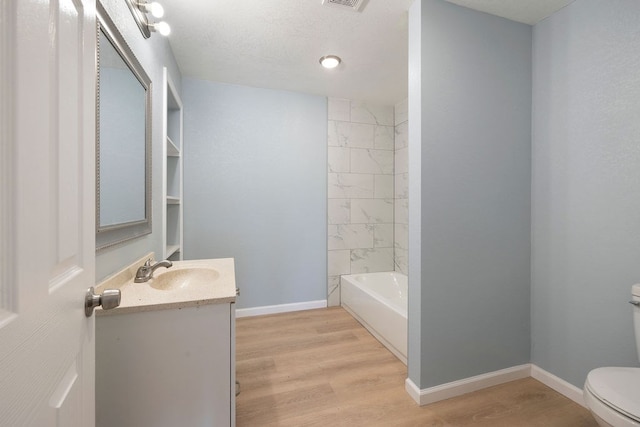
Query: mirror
123	140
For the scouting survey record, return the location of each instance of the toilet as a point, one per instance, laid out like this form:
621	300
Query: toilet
613	394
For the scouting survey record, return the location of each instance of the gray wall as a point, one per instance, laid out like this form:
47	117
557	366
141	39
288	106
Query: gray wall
414	101
153	54
586	187
255	188
475	191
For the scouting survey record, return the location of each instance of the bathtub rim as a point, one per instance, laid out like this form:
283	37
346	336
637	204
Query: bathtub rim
373	293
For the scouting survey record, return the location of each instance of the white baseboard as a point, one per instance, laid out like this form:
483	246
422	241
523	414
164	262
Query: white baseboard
466	385
412	390
281	308
558	384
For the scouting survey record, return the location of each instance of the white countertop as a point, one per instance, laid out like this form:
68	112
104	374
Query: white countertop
137	297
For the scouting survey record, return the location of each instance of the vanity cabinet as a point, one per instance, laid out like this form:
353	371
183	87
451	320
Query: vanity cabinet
166	368
172	170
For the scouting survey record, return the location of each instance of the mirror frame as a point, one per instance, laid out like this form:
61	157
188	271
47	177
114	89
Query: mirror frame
107	236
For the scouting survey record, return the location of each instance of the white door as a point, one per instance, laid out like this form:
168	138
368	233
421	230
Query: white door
47	258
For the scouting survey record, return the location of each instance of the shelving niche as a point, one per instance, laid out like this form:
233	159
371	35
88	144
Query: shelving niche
172	170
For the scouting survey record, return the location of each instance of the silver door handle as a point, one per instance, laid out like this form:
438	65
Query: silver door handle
636	303
109	299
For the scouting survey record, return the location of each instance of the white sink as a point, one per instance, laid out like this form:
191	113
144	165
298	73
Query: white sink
184	278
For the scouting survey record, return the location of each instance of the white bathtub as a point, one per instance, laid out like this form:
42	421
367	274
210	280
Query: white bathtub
379	302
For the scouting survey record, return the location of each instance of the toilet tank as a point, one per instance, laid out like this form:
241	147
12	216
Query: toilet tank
635	292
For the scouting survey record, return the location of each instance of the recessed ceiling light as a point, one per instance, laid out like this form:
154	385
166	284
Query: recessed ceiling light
330	61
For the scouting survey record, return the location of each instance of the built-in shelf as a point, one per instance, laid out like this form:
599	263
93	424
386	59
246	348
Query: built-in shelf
172	171
170	250
172	149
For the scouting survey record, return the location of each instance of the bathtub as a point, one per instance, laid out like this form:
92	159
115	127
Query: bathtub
379	302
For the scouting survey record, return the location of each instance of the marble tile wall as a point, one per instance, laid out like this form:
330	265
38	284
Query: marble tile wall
360	190
401	190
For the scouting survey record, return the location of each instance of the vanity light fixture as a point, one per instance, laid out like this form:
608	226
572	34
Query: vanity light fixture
161	27
330	61
154	8
140	8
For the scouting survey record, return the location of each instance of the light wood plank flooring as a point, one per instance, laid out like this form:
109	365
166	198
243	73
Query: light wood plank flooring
322	368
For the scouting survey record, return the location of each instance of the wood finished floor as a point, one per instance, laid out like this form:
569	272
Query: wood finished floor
322	368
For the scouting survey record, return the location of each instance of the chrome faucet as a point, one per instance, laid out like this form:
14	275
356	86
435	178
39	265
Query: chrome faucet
145	272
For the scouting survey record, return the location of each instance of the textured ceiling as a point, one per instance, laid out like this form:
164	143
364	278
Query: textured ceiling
277	43
527	11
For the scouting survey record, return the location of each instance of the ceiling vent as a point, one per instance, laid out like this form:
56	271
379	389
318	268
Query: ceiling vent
353	5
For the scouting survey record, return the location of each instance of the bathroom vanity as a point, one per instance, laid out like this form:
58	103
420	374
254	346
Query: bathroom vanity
166	356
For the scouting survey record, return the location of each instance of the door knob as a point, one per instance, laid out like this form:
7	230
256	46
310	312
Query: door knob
109	299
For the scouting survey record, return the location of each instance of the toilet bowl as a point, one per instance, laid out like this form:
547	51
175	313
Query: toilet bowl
612	394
